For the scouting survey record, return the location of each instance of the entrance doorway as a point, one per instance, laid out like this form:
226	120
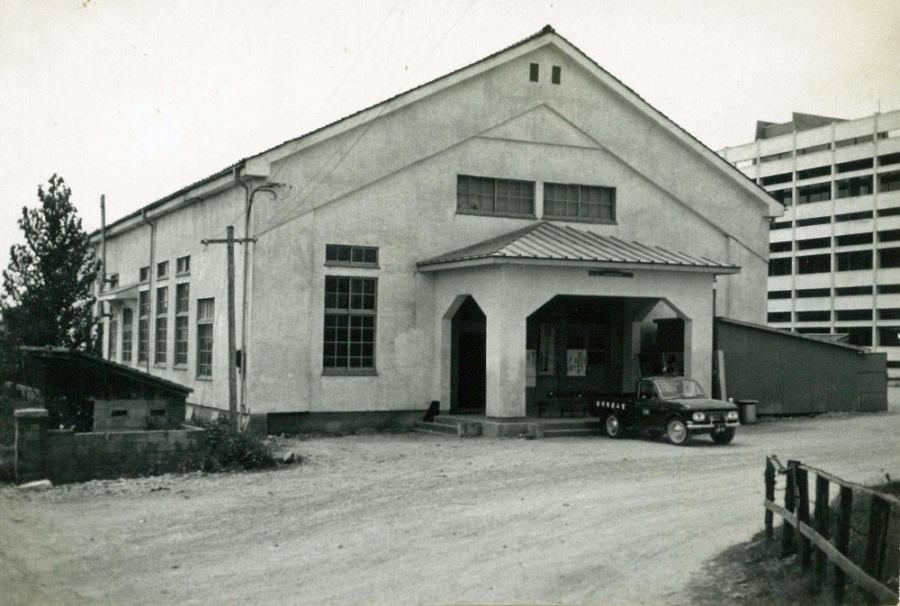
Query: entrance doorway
469	361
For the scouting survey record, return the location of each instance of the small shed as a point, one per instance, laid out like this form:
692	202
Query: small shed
790	373
90	393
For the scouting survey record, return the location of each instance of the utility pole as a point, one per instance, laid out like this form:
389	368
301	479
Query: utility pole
229	241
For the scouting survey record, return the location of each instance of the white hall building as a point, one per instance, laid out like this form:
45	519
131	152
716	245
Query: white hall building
507	229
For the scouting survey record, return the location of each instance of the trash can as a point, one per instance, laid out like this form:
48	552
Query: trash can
748	411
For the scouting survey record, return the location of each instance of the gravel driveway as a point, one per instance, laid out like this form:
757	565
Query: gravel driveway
409	518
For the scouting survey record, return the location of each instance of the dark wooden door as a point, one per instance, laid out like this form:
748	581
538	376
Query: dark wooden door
472	382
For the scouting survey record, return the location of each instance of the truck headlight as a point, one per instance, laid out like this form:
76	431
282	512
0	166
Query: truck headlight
732	415
698	417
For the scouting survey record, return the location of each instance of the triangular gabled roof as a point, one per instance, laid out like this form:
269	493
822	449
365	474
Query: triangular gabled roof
544	37
549	243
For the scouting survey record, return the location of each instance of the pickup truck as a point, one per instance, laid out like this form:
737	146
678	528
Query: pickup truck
672	406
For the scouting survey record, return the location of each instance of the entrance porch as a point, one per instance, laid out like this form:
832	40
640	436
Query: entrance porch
548	312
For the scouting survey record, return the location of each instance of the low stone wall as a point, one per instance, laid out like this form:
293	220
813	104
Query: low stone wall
65	456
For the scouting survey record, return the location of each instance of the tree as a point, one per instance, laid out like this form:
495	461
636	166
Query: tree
49	279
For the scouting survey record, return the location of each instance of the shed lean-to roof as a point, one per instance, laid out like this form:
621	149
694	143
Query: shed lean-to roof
547	35
549	243
86	362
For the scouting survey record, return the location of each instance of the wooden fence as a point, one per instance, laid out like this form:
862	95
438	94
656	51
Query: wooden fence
815	534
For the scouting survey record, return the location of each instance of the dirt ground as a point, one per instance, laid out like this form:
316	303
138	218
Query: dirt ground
421	519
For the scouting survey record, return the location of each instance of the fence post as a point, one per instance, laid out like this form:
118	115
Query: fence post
842	540
879	519
787	531
770	496
822	526
801	485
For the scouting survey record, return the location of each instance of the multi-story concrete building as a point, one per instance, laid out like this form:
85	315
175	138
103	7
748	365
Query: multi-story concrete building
502	231
834	263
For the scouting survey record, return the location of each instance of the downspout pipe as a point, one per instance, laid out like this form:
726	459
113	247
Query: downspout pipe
249	196
151	282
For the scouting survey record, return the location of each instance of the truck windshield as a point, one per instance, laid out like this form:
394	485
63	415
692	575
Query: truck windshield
679	388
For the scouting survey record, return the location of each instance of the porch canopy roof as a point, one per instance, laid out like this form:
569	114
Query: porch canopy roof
545	243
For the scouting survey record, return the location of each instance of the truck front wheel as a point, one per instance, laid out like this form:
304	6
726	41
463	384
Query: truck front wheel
678	432
614	427
724	436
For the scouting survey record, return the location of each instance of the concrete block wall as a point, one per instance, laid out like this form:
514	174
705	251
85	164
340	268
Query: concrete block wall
64	456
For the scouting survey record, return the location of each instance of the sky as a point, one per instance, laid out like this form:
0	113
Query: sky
135	99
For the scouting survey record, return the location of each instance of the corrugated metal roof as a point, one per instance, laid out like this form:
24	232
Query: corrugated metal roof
544	241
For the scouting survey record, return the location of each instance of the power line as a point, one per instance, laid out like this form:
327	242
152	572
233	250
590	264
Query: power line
315	181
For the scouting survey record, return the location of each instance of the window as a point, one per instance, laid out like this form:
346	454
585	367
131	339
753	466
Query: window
775	179
486	196
857	186
182	307
556	74
851	291
889	336
813	330
343	254
534	72
583	202
813	264
780	225
811	173
206	313
779	294
162	270
861	336
888	289
144	274
773	157
350	308
889	314
855	260
849	315
885	159
143	326
779	316
813	149
813	243
889	257
127	327
813	221
780	246
112	280
889	212
854	239
113	337
785	196
857	216
888	235
183	265
808	293
889	182
780	266
853	141
846	167
813	193
162	324
813	316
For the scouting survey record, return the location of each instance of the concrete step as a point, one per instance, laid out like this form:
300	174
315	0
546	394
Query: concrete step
448	429
589	423
572	432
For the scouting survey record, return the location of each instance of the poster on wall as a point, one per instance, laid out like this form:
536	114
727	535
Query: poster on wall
530	368
576	362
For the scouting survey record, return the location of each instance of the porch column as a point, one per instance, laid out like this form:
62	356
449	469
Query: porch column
505	351
697	315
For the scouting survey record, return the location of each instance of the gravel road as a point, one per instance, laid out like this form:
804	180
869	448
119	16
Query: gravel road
409	519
